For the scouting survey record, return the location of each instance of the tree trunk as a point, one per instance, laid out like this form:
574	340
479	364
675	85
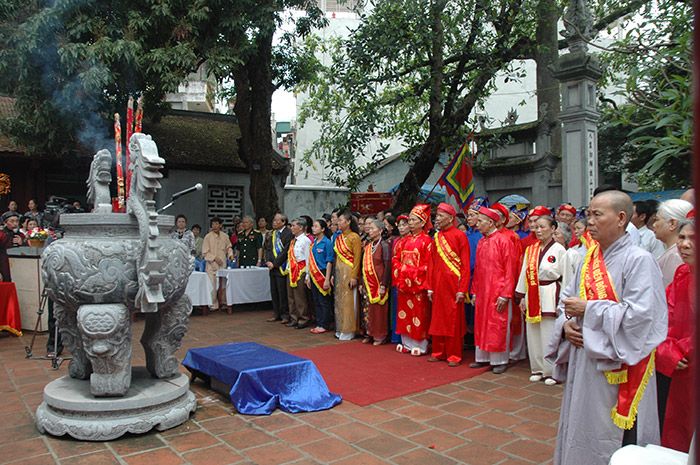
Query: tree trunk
430	151
253	83
546	58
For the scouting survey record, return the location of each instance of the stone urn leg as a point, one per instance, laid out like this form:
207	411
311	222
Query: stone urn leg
80	367
163	335
105	330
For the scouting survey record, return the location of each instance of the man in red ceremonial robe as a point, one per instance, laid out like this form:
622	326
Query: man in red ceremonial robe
518	348
449	283
8	239
411	279
493	286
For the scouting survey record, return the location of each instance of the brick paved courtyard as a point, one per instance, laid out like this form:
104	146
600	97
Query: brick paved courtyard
486	420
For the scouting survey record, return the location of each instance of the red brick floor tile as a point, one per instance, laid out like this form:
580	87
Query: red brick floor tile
224	425
23	449
187	427
509	392
505	405
361	459
46	459
464	409
422	457
437	440
476	454
446	389
472	395
497	419
512	461
68	447
489	436
272	454
97	458
324	419
539	414
373	416
393	404
430	399
246	438
479	384
217	455
276	421
420	412
300	434
544	401
191	441
208	412
155	457
530	450
452	423
535	430
329	449
354	432
13	434
402	427
15	419
385	445
129	444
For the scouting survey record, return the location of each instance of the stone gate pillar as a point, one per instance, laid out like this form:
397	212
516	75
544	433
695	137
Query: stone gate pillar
578	72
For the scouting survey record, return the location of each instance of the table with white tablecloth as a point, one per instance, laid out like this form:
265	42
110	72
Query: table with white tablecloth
246	285
199	288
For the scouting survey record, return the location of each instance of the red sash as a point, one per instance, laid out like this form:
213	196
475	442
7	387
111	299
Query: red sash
317	277
296	267
343	252
369	275
451	259
534	311
632	380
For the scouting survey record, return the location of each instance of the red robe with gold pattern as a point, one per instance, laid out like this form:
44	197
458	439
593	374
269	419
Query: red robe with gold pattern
412	257
448	276
493	278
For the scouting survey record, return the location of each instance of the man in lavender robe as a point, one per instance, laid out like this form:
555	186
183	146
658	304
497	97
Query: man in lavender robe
594	336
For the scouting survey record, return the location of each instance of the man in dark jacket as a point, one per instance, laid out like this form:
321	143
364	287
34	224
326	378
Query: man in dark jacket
276	260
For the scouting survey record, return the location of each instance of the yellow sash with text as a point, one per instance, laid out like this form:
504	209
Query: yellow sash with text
369	276
343	252
534	310
632	380
317	277
295	267
448	256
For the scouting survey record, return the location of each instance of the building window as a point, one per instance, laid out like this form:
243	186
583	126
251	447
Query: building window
224	202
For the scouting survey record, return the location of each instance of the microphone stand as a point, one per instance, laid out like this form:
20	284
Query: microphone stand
177	196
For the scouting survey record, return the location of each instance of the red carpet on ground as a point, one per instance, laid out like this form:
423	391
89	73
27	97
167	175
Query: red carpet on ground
364	374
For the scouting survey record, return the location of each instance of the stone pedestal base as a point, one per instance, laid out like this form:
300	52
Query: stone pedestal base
69	408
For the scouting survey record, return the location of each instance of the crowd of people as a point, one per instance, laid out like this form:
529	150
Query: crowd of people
599	298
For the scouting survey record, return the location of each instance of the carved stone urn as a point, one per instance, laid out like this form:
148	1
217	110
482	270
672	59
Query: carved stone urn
106	267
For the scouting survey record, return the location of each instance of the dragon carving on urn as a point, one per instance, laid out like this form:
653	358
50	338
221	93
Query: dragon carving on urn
111	265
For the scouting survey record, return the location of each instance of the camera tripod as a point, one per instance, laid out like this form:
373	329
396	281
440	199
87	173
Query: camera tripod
56	360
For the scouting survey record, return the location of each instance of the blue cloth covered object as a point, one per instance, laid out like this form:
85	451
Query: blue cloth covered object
263	379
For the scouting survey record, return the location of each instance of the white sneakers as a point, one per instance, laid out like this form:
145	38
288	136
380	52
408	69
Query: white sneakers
536	378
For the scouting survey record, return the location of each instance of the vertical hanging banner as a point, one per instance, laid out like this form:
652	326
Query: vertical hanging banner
120	168
129	132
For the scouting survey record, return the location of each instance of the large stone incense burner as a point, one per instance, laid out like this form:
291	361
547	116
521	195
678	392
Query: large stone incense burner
108	266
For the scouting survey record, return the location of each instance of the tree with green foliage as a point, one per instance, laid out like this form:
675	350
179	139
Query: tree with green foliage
413	71
72	63
651	64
